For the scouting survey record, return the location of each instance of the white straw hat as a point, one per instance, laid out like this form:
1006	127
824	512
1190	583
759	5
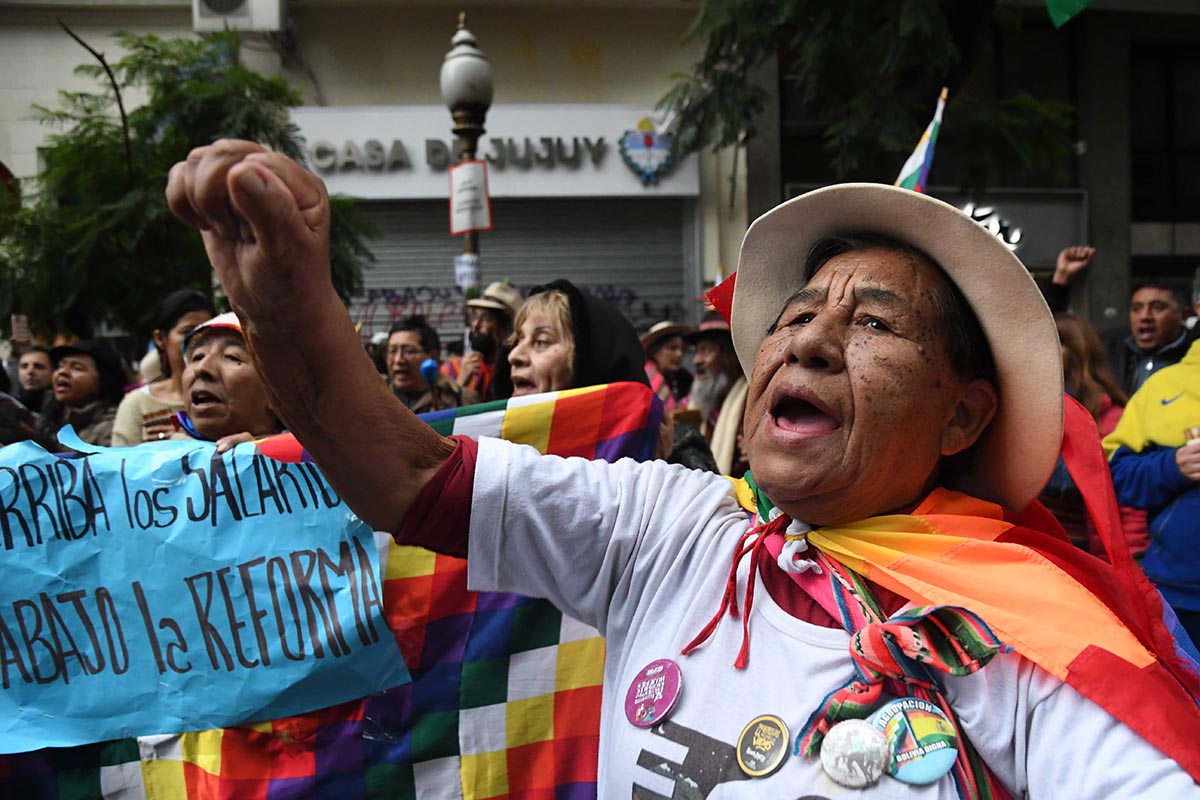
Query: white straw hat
1016	454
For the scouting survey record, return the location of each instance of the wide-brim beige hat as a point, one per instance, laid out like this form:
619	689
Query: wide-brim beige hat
663	330
498	296
1016	454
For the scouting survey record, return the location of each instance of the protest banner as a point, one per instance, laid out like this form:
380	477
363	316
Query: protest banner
142	582
505	692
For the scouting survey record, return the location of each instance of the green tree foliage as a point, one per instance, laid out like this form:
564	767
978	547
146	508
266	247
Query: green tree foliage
96	242
869	71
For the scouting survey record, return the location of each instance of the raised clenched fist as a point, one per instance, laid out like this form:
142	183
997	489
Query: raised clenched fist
265	223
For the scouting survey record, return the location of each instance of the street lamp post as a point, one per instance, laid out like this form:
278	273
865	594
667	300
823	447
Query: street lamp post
466	82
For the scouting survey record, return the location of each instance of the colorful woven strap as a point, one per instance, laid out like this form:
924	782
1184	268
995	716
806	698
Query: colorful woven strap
912	643
913	648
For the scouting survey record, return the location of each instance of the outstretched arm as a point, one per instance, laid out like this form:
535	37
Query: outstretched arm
265	224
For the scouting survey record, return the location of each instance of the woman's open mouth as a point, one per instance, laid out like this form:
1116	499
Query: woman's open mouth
522	386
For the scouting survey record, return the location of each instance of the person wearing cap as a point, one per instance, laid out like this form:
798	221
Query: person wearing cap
145	413
87	384
489	324
904	409
224	398
719	392
665	348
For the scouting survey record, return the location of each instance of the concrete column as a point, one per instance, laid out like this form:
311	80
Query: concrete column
1104	169
764	163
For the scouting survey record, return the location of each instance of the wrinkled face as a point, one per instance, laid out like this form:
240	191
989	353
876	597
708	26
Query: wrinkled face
171	341
33	371
404	357
541	357
711	359
669	356
852	402
222	391
76	380
1155	318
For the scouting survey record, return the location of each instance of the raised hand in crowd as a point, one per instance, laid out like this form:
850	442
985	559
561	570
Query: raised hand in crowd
265	224
264	220
1071	262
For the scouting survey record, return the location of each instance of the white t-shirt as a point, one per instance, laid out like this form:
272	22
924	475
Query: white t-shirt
642	552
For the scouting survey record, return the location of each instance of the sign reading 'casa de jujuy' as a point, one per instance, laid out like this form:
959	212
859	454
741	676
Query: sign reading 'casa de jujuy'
527	152
542	150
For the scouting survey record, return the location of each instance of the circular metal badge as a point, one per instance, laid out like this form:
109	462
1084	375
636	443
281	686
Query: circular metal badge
763	745
854	753
922	742
653	693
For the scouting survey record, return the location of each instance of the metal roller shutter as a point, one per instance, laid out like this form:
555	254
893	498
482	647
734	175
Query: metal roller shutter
638	253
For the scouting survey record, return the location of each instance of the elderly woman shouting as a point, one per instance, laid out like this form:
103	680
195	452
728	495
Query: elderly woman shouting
907	624
224	399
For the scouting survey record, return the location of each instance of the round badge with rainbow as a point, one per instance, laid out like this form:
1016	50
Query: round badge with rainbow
922	740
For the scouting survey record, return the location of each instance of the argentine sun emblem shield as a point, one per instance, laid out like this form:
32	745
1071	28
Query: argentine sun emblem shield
646	151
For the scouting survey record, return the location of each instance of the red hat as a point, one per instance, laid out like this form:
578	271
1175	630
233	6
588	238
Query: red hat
227	321
712	326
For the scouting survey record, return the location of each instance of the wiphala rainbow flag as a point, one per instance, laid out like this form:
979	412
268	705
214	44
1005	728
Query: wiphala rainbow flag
505	697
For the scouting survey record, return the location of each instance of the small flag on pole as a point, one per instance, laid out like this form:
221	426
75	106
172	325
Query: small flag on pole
916	169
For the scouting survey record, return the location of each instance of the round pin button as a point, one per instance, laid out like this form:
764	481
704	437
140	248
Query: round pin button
854	753
653	693
762	746
922	742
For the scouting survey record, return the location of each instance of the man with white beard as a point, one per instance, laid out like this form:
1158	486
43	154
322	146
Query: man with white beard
719	392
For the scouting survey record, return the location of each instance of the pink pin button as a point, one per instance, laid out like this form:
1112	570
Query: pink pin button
653	693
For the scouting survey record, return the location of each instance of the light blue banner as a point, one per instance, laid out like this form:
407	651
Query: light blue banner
163	588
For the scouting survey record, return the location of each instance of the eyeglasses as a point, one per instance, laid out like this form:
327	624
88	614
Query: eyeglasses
407	352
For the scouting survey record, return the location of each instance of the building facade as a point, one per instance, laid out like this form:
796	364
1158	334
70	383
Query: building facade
573	80
1131	71
577	74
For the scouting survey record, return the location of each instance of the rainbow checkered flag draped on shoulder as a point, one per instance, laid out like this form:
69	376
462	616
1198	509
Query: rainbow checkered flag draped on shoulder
506	691
915	171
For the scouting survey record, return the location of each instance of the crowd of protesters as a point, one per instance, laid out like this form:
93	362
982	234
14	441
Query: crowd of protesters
200	381
556	336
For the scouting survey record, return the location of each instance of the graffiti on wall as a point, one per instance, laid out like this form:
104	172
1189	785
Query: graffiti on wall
441	306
